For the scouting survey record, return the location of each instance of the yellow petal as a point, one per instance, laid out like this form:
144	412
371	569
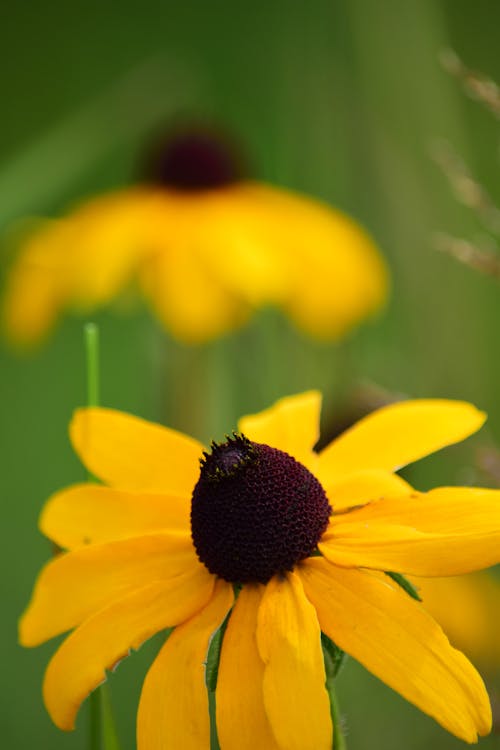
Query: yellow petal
77	584
332	274
291	424
241	718
237	237
37	284
81	261
132	454
342	278
289	643
468	609
173	711
188	298
363	487
106	638
396	639
106	241
447	531
91	514
399	434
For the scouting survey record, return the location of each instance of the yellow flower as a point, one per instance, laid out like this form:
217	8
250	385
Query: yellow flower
205	248
307	536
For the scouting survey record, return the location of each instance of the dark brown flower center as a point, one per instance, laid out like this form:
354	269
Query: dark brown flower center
194	159
255	511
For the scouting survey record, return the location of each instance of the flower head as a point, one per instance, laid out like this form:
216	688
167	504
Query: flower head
205	246
307	537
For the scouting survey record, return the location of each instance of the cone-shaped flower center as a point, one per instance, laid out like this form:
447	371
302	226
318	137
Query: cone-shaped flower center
255	511
195	159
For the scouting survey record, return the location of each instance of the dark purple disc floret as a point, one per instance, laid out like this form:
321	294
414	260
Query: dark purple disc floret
256	511
194	159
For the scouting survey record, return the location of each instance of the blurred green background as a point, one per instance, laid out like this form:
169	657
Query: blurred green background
341	99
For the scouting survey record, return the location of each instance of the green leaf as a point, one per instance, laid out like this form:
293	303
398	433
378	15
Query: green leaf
334	657
211	674
405	584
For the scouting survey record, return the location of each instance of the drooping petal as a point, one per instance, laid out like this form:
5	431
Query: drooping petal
78	584
291	424
342	279
173	711
396	639
241	717
107	637
92	514
334	274
188	298
363	487
444	532
237	243
81	261
289	643
132	454
399	434
38	284
468	609
105	244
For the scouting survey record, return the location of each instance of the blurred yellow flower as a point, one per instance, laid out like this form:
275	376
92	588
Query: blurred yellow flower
468	609
205	247
282	541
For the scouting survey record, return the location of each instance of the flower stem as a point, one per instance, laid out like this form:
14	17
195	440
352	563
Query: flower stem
91	335
102	730
339	742
94	721
334	659
109	734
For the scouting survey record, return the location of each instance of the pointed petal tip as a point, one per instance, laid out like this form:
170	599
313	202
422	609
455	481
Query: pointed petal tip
365	615
399	434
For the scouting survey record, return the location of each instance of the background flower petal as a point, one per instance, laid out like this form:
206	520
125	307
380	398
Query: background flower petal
107	239
242	721
399	434
447	531
468	609
130	453
91	514
79	665
340	277
38	284
188	298
173	711
289	642
291	424
78	584
398	641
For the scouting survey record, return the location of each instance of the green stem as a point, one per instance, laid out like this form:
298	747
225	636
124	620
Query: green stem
102	731
94	721
334	659
91	334
339	741
109	734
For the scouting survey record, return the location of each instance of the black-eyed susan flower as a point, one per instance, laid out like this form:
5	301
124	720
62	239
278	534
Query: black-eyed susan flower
279	542
204	246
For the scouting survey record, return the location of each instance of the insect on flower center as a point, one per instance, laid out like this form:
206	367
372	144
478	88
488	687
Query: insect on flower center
255	511
195	159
